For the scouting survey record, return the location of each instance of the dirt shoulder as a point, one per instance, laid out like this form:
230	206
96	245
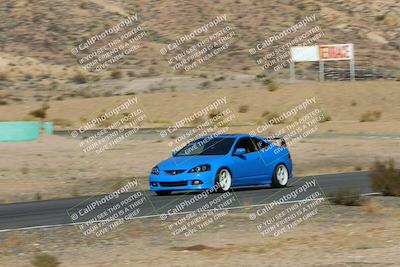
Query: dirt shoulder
336	236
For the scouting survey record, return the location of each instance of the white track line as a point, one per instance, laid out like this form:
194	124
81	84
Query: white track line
167	215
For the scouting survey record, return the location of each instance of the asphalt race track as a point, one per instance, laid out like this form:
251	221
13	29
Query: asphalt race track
64	211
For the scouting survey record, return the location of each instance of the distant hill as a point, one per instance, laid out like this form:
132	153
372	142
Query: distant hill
36	36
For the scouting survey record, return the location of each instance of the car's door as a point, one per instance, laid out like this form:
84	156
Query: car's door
267	157
246	168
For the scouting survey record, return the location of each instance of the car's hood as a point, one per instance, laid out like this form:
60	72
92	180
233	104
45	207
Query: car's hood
187	162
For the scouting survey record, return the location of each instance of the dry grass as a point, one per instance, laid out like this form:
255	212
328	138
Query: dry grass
116	74
80	78
372	206
11	241
267	116
385	178
41	112
45	260
373	115
4	76
272	86
345	196
243	109
326	117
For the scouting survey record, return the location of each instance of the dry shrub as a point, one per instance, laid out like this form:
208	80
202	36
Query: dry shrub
345	196
45	260
326	117
243	108
385	178
3	76
37	196
80	78
272	86
24	170
116	74
41	112
391	20
371	115
372	206
270	116
214	113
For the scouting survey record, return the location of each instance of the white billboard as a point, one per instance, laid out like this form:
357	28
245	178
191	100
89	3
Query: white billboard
304	53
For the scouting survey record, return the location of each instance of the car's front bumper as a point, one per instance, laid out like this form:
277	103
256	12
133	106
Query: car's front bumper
182	181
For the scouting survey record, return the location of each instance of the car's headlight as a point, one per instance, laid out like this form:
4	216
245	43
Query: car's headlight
201	168
155	170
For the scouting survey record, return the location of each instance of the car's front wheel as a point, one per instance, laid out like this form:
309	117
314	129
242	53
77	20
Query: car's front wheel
224	180
163	193
280	177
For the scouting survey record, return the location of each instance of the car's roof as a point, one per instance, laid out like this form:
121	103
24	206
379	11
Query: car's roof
234	135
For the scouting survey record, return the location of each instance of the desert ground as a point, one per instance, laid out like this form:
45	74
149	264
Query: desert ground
56	166
42	79
345	102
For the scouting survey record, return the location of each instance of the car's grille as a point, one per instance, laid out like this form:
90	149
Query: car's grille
174	172
173	184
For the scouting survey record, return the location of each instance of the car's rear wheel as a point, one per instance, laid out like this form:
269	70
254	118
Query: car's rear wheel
163	193
280	177
224	180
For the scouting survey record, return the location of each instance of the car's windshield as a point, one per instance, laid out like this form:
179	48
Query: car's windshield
207	146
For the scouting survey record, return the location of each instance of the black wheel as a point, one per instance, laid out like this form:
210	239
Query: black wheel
280	177
224	179
163	193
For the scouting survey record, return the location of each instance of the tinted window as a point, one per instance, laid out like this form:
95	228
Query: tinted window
247	144
207	146
260	144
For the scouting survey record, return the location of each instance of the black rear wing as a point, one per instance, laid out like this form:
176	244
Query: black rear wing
279	141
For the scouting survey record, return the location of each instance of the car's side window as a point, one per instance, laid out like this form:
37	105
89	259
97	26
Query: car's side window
247	144
260	144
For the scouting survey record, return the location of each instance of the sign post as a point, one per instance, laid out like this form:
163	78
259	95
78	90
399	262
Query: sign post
292	72
321	71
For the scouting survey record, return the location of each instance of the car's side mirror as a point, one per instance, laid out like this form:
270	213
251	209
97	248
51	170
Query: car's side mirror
174	153
239	151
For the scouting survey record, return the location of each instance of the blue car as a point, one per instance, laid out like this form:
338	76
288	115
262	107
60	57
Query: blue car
222	162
